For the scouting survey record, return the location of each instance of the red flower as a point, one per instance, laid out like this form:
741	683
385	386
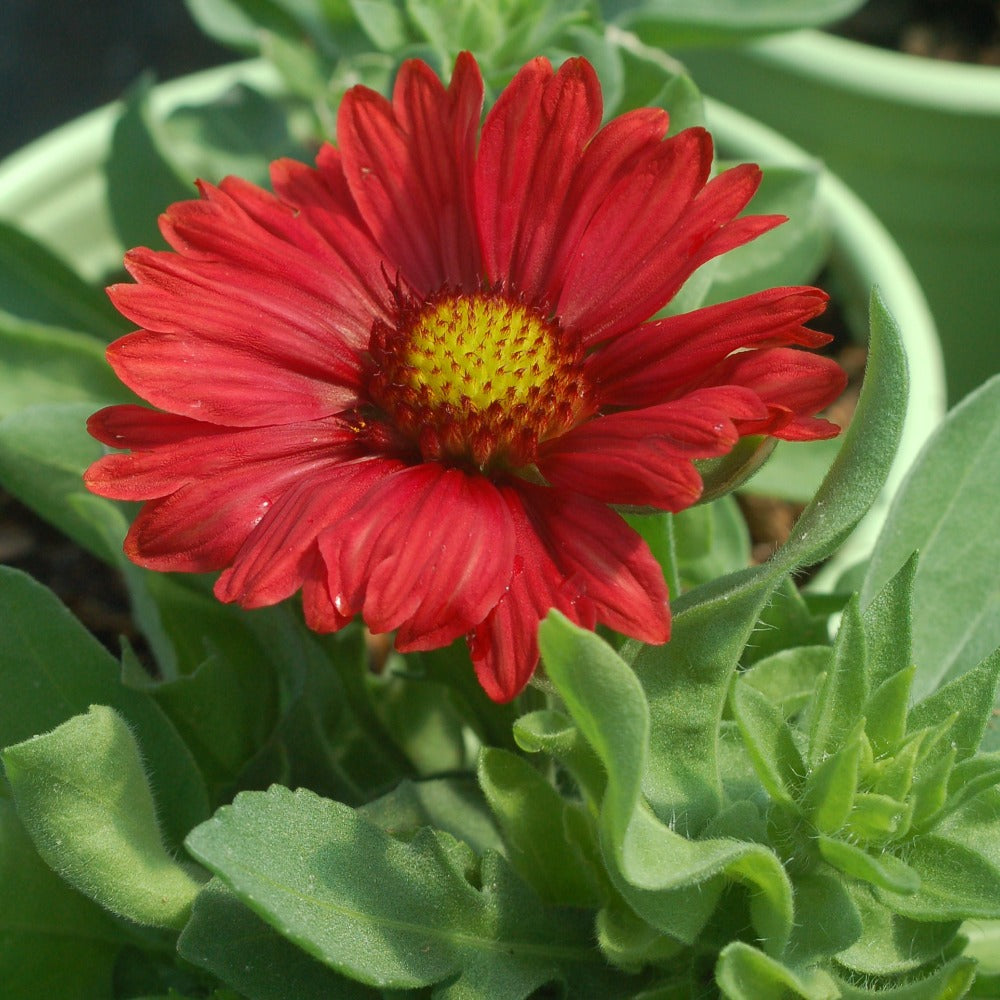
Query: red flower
411	381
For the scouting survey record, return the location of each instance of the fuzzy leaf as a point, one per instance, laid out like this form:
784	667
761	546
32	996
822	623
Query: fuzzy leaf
84	797
769	742
608	706
530	814
686	680
42	684
712	540
383	912
971	696
744	973
888	626
950	982
889	944
886	711
884	871
232	942
941	509
826	918
53	941
46	364
37	286
841	697
454	805
831	786
788	678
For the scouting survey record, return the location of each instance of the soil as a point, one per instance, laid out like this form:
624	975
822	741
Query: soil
954	30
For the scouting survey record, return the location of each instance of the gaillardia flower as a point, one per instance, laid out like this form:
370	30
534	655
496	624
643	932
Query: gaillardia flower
414	382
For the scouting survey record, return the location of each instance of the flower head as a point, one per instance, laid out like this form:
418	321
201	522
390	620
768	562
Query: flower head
411	381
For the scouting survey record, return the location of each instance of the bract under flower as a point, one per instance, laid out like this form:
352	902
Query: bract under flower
411	381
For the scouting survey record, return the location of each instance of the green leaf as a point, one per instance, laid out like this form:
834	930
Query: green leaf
940	510
239	133
671	23
55	942
52	668
383	912
885	871
43	452
240	23
232	942
530	814
40	288
142	181
84	797
889	944
826	918
384	22
712	540
888	625
788	678
950	982
608	706
886	711
832	784
841	697
454	805
970	696
44	364
958	864
769	742
744	973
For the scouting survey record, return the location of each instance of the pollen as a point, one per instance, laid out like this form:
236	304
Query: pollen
478	378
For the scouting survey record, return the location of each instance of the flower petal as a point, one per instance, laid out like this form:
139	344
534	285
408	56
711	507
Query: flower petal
579	557
644	457
532	141
652	362
281	552
660	223
208	487
427	551
409	165
793	384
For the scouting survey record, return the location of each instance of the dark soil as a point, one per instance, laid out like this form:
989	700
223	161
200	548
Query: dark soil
955	30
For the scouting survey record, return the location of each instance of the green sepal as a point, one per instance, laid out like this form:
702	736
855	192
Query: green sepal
830	788
723	475
84	797
885	871
841	697
769	743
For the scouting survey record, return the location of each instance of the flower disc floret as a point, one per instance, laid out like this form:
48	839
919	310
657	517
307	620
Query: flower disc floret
477	379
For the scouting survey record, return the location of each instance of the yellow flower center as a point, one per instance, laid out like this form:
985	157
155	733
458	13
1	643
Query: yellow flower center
477	378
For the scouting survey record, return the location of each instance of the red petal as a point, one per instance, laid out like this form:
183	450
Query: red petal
652	233
579	557
169	452
794	385
428	551
648	365
281	553
532	142
643	457
409	165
